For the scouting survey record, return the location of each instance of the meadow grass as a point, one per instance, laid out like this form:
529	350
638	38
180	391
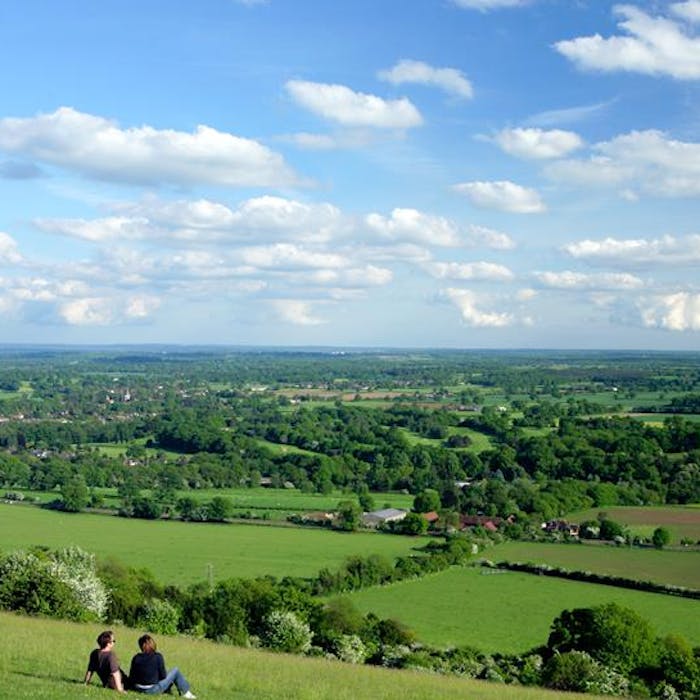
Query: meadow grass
678	568
681	521
180	553
43	659
510	612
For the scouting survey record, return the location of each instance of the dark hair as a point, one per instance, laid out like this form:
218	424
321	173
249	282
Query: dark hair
104	638
147	644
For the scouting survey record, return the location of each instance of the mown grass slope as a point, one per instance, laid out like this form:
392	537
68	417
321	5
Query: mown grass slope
45	660
504	611
677	568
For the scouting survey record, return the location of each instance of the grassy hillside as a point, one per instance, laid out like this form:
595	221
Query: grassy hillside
180	553
45	660
511	612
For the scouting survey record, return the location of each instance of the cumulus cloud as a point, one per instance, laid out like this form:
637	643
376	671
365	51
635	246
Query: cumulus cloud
538	143
99	148
259	218
354	109
466	302
469	271
525	294
9	252
689	10
296	312
647	160
650	45
580	280
503	195
674	312
485	5
288	256
103	311
481	235
413	225
451	80
668	250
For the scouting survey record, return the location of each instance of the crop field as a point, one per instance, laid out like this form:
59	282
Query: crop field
681	521
510	612
181	553
220	671
678	568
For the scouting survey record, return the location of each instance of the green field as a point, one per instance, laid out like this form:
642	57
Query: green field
181	553
678	568
510	612
277	502
681	521
46	659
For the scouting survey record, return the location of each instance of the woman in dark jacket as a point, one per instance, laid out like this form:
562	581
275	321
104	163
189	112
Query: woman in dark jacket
148	674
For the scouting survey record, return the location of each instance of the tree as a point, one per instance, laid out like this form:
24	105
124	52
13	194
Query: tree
348	517
614	635
661	537
74	494
412	524
426	501
219	508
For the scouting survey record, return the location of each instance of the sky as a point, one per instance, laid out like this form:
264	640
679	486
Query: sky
374	173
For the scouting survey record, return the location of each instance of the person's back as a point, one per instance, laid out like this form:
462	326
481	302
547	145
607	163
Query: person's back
147	668
104	662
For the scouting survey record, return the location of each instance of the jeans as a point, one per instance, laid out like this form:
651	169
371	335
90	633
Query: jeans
174	676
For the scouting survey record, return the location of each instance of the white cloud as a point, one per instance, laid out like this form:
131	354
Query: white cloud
296	312
689	10
9	252
469	271
287	256
466	301
108	228
650	45
646	160
413	225
503	195
525	294
579	280
567	115
451	80
674	312
538	143
484	5
355	109
356	277
97	147
667	250
481	235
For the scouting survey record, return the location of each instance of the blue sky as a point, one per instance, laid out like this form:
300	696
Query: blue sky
406	173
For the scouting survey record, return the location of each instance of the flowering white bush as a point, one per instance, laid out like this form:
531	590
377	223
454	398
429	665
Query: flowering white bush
76	568
284	631
351	649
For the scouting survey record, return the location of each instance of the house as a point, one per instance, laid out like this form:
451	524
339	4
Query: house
317	518
432	517
563	526
488	522
387	515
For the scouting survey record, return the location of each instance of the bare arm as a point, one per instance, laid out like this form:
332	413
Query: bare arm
117	681
88	677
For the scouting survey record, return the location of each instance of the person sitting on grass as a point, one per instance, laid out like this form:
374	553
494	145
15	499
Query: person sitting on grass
104	662
148	674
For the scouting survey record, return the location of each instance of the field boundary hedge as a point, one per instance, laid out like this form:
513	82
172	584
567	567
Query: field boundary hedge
591	577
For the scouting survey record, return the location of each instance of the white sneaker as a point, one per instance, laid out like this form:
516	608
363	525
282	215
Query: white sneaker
189	695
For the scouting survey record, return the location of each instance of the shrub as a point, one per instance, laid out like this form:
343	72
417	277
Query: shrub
159	616
77	569
284	631
350	648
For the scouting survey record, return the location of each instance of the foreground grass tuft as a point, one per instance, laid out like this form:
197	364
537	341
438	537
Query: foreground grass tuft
45	659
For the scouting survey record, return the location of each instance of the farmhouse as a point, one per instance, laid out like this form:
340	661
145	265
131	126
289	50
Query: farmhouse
378	517
490	523
563	526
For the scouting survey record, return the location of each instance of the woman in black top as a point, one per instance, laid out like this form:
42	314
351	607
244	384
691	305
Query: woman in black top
148	674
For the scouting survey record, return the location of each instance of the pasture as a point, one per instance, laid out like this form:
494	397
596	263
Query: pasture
510	612
677	568
681	521
224	672
181	553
